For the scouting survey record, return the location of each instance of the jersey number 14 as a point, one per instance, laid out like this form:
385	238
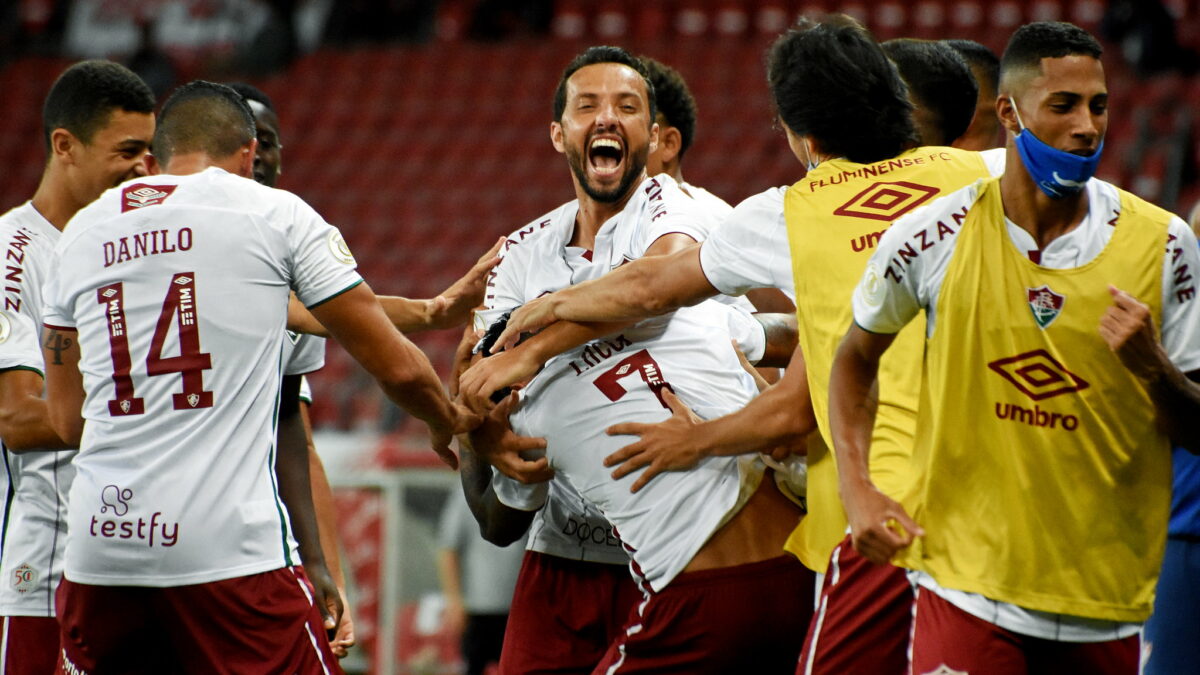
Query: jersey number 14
180	305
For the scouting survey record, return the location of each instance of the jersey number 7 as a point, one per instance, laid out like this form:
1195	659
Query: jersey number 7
609	382
191	363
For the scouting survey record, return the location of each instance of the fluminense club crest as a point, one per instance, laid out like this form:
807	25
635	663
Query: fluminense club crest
1045	304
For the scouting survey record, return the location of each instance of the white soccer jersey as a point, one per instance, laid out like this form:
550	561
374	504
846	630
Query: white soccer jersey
178	288
303	354
717	207
749	249
564	523
582	392
35	527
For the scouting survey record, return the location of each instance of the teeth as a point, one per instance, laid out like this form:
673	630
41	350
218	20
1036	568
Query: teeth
606	143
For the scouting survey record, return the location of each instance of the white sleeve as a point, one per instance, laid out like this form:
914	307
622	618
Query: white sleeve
995	160
505	287
308	354
1181	310
323	265
749	249
519	496
677	214
906	271
56	311
749	334
20	346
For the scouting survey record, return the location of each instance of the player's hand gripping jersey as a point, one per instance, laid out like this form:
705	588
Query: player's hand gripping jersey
178	288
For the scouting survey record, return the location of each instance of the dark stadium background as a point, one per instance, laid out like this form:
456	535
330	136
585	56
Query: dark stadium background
421	130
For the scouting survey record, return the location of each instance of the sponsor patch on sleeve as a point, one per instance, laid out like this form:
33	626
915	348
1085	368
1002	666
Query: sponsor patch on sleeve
339	249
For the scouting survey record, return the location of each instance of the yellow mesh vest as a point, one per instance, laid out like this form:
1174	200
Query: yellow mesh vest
835	217
1045	482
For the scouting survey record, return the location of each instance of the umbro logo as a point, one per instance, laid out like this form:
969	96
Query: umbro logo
141	195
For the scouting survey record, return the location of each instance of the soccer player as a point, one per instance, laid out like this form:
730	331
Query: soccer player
847	117
173	292
984	132
1048	399
98	121
720	595
603	101
940	84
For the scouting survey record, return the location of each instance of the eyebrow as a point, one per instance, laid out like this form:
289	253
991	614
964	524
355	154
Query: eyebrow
133	144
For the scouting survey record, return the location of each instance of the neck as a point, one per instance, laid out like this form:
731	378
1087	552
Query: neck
192	162
1045	219
593	214
53	200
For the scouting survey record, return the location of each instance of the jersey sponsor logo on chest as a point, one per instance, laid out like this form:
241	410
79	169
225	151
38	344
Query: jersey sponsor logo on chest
1039	376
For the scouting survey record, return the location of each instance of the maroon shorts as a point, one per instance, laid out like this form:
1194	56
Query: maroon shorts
564	614
863	619
261	623
28	645
946	639
740	619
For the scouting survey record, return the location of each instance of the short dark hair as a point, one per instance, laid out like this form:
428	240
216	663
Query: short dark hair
983	61
84	96
940	82
252	93
603	54
831	81
203	117
674	100
1046	40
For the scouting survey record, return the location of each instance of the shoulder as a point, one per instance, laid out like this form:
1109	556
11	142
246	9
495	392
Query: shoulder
661	196
715	205
945	214
765	207
536	229
995	159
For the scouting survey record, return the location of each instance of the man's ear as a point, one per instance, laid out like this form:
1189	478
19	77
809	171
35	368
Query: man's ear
655	137
153	168
62	145
246	159
556	137
1005	110
670	142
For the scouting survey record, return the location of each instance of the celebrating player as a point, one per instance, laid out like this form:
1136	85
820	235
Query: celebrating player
853	140
98	121
1042	446
174	293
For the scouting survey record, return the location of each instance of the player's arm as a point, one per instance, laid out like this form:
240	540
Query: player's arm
520	363
358	323
295	489
449	571
643	288
853	398
1128	328
781	417
64	384
24	416
327	527
452	307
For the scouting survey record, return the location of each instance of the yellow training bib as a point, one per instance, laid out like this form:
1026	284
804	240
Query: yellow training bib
1044	481
835	217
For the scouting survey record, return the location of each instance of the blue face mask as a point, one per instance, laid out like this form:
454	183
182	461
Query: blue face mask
1057	173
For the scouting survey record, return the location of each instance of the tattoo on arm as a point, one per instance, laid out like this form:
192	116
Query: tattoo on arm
56	342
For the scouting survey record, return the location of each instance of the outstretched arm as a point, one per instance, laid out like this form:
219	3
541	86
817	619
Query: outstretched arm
643	288
405	374
853	398
452	307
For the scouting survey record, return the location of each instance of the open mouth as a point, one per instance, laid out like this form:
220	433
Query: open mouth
605	156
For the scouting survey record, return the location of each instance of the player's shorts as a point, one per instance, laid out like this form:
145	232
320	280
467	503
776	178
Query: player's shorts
948	640
863	618
741	619
564	614
28	645
261	623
